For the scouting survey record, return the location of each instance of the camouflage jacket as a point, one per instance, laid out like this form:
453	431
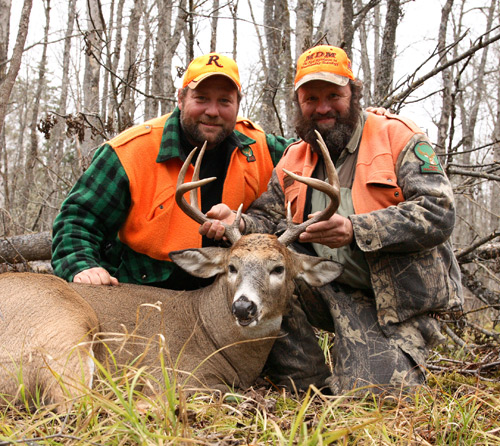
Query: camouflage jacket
412	267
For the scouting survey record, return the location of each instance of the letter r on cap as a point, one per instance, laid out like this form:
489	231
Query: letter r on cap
214	59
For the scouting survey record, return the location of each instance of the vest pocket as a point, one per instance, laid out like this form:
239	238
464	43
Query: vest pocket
385	188
162	203
382	178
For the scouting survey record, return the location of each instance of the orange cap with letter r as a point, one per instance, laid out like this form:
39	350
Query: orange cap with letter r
325	63
210	65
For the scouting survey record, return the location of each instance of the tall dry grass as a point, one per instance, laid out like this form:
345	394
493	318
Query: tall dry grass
130	409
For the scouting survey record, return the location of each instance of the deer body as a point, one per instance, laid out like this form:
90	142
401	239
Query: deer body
214	337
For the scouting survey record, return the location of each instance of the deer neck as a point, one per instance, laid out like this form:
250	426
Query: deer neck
245	349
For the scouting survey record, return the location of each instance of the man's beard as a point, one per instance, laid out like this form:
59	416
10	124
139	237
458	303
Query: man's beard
197	137
336	137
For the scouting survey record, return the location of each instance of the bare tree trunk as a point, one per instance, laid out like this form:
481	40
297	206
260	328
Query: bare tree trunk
377	28
175	37
213	33
274	22
289	73
190	33
330	27
303	26
148	42
384	77
469	104
112	62
15	62
130	66
262	56
58	136
32	154
159	74
16	166
367	75
234	14
447	77
166	44
58	130
347	37
5	6
472	111
108	32
94	44
495	192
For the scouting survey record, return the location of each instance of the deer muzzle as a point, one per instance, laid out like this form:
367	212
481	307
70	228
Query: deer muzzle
245	311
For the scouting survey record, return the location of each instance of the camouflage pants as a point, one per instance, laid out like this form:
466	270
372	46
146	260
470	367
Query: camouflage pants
361	354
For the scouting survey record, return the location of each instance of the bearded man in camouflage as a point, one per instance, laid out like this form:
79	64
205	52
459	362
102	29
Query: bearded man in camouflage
391	233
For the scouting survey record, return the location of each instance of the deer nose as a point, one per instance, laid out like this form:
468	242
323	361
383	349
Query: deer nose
244	310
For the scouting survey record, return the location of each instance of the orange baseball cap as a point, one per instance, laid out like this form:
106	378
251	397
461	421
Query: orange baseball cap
325	63
210	65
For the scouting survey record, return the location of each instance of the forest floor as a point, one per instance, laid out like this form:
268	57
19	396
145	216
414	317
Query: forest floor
460	405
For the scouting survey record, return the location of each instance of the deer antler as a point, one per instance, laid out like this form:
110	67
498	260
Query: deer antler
331	189
232	232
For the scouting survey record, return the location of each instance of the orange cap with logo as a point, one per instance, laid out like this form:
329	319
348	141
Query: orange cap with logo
210	65
325	63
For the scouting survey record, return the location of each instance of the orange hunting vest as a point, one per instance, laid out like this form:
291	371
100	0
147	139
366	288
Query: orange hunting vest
382	141
155	224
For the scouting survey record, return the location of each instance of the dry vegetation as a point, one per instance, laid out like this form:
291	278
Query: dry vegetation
451	410
459	406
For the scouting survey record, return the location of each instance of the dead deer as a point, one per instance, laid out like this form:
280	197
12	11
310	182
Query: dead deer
214	337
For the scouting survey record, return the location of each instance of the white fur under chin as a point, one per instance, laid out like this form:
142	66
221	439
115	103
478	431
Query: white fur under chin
263	329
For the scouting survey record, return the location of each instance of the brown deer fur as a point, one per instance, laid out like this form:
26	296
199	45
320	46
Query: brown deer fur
49	329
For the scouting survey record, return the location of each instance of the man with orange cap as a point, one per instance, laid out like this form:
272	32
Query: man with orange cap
120	220
391	233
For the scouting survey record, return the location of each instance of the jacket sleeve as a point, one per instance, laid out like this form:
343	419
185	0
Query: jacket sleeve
91	215
423	220
277	145
267	213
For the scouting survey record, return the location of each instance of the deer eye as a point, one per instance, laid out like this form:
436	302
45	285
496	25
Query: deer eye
232	269
278	270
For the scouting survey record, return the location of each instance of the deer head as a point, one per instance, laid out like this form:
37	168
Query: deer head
258	270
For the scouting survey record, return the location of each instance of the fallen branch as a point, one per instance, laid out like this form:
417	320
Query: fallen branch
478	243
36	266
27	247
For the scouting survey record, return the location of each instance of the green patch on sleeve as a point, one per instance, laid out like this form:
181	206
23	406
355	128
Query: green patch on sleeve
426	154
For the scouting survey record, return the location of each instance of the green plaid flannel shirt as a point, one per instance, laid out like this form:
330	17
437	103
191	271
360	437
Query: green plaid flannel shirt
85	231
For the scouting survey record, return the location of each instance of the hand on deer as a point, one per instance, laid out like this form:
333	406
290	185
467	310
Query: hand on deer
95	276
335	232
220	213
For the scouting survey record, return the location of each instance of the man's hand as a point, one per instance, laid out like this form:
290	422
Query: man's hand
95	276
219	213
335	232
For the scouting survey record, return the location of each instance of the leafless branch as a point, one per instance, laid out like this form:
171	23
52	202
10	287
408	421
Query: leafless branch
418	82
477	244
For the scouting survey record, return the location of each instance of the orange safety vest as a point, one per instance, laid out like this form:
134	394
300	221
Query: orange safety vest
155	224
382	141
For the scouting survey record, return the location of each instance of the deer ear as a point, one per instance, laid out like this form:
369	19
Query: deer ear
200	262
317	271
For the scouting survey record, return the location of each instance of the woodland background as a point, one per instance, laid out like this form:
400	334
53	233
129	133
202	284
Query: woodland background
73	73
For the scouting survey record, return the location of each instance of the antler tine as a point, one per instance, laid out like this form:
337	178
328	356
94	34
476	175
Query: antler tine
192	210
193	195
331	189
232	232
